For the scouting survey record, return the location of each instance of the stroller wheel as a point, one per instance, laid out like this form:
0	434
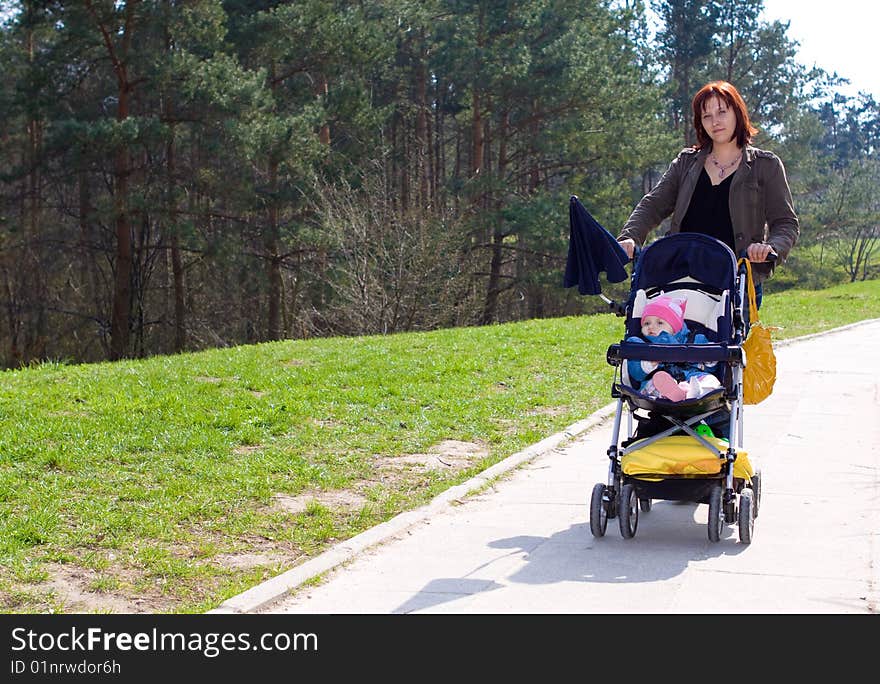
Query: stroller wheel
756	487
645	505
746	516
628	511
716	514
729	506
598	511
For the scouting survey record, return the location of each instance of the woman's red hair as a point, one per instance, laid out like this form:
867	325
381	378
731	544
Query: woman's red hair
725	92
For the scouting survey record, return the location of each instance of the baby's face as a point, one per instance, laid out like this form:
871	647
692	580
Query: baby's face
654	325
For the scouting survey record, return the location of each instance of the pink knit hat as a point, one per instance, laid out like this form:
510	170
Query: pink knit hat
670	309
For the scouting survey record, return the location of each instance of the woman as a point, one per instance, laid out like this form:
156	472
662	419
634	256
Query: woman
722	187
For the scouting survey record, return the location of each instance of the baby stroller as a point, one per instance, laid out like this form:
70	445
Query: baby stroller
673	454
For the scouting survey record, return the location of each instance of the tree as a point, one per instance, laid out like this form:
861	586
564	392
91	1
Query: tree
306	50
556	100
24	275
847	204
179	174
116	25
685	43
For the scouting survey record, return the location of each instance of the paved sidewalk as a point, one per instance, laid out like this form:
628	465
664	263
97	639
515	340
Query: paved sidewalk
523	545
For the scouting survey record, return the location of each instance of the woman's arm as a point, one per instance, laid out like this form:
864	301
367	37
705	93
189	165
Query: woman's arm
782	222
657	205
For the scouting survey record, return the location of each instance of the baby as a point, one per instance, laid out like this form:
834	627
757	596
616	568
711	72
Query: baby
663	323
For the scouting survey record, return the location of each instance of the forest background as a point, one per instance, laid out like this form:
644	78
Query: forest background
178	175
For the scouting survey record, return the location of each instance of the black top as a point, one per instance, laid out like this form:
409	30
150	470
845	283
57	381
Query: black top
709	210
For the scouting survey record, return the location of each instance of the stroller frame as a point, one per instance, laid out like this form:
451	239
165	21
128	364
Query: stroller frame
731	499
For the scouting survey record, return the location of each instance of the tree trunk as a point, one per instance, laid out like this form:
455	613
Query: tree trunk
121	313
176	259
121	310
270	236
534	177
421	77
34	292
402	160
322	89
476	134
273	262
493	288
496	262
89	274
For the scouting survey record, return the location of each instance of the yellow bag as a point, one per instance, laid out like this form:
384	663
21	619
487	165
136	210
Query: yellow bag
681	456
759	373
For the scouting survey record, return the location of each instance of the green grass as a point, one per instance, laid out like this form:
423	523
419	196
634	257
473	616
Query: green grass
154	485
801	312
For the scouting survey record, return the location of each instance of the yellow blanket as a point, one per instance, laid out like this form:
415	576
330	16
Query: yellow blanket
681	456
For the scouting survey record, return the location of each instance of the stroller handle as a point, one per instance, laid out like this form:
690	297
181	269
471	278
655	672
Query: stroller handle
692	353
770	258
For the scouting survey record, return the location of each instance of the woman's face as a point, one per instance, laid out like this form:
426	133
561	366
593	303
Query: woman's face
719	120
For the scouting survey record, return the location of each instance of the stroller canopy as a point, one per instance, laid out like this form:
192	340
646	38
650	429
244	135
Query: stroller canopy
677	256
591	250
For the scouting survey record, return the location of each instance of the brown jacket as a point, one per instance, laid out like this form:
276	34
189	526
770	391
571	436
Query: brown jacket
761	208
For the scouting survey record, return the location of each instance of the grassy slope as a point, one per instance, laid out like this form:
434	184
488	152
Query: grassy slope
153	485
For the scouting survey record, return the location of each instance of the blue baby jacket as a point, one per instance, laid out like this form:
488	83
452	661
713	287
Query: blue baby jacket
680	371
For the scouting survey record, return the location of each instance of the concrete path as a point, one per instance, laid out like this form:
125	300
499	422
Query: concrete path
523	544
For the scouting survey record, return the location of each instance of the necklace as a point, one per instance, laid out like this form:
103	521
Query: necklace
724	167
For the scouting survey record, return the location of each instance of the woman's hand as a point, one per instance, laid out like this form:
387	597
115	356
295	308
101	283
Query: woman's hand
758	252
629	246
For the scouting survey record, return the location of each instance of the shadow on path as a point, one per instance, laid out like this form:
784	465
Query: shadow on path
669	538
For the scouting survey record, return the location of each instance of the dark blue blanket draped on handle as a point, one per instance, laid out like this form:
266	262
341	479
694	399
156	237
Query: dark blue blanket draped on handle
591	250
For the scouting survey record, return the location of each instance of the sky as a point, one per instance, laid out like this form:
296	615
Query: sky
837	36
